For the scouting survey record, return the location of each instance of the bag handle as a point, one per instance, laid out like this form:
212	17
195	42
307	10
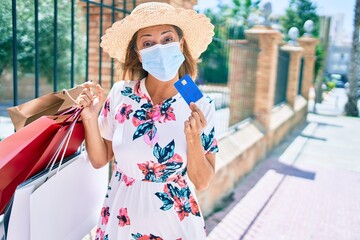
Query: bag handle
64	143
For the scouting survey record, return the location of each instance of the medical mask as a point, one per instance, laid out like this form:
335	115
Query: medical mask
162	61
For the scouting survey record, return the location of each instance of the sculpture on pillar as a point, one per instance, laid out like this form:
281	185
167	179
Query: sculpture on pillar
308	27
266	12
293	35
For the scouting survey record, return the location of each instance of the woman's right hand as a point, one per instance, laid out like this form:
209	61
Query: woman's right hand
91	102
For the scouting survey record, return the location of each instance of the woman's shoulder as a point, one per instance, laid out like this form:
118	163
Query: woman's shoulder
121	84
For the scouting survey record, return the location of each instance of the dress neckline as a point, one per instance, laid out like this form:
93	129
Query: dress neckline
144	90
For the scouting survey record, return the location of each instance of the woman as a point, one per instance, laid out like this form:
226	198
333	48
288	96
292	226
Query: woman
163	148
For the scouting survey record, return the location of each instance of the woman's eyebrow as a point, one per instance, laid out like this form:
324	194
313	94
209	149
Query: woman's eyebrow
166	32
146	35
149	35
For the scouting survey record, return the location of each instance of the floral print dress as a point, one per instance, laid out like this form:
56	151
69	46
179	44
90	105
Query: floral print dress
150	195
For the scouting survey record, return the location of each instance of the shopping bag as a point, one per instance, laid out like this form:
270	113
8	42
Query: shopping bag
66	206
17	212
48	104
77	136
20	152
2	228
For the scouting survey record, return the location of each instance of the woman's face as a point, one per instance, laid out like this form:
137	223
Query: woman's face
160	34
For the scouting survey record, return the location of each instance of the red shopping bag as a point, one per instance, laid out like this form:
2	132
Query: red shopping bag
29	150
76	138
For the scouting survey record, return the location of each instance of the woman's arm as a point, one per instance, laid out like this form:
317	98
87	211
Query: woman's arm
98	149
201	166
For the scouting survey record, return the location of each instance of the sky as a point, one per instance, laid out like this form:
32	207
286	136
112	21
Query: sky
325	7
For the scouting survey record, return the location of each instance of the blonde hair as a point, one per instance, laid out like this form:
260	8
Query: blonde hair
132	67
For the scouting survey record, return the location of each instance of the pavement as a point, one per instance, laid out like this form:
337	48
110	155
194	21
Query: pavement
308	188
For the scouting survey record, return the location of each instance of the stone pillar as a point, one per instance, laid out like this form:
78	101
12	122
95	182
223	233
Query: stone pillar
236	80
94	34
308	44
267	41
294	70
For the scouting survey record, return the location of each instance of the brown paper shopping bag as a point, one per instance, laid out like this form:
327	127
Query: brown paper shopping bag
48	104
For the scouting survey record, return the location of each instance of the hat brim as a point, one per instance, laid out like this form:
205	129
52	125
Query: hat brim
197	30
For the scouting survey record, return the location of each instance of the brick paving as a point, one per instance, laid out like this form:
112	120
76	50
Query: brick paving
307	188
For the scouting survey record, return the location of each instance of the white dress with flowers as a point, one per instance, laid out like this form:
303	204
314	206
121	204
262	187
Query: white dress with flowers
149	195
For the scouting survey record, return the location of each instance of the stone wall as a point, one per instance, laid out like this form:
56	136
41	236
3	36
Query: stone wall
242	149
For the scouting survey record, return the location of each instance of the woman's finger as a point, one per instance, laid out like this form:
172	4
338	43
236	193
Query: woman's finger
192	122
196	109
100	92
88	84
187	127
89	94
196	116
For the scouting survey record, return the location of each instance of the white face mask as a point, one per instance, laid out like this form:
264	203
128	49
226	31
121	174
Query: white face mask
162	61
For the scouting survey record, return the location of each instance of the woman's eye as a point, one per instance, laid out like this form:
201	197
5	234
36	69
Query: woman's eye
147	44
168	40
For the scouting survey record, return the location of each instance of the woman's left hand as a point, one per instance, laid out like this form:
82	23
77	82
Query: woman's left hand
195	123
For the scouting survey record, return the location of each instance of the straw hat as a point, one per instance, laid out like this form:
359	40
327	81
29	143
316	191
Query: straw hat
196	27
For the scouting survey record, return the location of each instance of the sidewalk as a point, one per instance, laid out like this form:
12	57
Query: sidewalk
308	188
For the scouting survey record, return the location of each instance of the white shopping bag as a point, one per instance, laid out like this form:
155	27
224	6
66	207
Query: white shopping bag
2	230
66	206
19	220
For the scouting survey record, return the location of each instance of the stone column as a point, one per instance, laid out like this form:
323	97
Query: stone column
308	44
236	79
294	70
267	41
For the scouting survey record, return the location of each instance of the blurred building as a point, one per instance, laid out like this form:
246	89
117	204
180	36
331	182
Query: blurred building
339	49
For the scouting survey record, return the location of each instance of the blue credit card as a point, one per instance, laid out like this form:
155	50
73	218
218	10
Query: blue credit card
188	89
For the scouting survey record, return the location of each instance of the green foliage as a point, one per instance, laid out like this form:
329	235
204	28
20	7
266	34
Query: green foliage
230	23
297	13
26	39
330	85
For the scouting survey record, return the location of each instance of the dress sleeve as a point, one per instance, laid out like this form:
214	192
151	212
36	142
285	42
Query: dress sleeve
106	118
208	137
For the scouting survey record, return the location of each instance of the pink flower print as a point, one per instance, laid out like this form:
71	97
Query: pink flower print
194	206
138	92
150	142
128	180
136	122
105	215
152	170
123	113
178	179
176	158
146	237
169	115
99	234
179	205
106	108
154	113
123	217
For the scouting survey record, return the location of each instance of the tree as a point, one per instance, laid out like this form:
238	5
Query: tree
230	23
26	39
297	13
351	108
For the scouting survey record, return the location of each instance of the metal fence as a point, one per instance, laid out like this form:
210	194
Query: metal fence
227	74
49	45
62	46
282	77
301	76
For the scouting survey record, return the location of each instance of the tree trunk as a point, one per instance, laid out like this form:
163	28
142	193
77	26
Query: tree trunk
351	108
